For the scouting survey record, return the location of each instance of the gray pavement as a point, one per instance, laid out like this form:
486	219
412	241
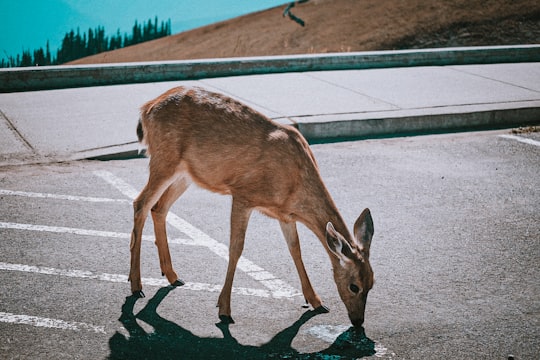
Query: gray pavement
455	255
99	121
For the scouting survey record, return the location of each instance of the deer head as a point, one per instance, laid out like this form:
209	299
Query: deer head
350	261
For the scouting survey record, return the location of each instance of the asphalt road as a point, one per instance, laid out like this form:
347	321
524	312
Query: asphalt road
455	254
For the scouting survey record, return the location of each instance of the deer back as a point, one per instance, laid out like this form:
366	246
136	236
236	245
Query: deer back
229	148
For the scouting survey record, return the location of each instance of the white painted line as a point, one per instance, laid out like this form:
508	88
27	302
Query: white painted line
122	186
61	229
85	232
330	333
278	287
521	139
61	197
117	278
10	318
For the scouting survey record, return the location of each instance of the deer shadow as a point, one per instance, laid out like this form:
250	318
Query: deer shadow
171	341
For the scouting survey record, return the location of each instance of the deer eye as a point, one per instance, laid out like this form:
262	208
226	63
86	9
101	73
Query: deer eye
355	289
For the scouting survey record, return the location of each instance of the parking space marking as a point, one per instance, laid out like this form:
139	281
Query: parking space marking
278	287
60	196
119	184
330	334
521	139
86	232
274	287
259	274
117	278
10	318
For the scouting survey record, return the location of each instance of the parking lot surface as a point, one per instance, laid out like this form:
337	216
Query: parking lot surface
455	255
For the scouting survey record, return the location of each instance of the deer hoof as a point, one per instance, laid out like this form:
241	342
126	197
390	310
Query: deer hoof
226	319
138	294
178	283
322	309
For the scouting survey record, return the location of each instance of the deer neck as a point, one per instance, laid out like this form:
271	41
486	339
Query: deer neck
322	211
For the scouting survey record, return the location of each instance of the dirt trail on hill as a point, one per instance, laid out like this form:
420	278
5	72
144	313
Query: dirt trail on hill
347	25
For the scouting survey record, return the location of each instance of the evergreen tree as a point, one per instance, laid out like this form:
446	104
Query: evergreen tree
39	57
76	45
26	58
136	38
91	44
48	55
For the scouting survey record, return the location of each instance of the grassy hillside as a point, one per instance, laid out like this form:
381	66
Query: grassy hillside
347	25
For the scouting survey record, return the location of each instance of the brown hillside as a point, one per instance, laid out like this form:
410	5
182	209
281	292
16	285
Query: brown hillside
347	25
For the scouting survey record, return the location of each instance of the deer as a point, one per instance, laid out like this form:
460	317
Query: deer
193	135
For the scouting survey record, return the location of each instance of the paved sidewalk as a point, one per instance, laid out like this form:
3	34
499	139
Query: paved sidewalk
100	121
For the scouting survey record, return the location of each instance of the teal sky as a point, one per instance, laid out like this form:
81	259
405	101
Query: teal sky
28	24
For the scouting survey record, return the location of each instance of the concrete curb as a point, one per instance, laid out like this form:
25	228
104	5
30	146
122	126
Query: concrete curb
414	123
360	126
69	76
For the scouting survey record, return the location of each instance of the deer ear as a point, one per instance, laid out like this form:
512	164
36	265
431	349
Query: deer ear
337	245
363	231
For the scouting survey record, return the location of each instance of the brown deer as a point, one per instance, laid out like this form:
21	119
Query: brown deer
194	135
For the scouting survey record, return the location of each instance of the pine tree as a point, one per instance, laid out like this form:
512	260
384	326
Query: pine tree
48	55
76	45
26	58
39	57
89	42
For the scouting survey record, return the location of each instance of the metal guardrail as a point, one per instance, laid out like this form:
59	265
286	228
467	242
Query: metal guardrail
70	76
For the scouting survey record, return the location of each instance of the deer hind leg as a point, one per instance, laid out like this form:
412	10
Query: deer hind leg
291	236
159	216
156	186
239	219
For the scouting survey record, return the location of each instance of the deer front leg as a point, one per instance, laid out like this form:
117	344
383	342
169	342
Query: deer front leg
157	184
159	216
239	219
291	236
